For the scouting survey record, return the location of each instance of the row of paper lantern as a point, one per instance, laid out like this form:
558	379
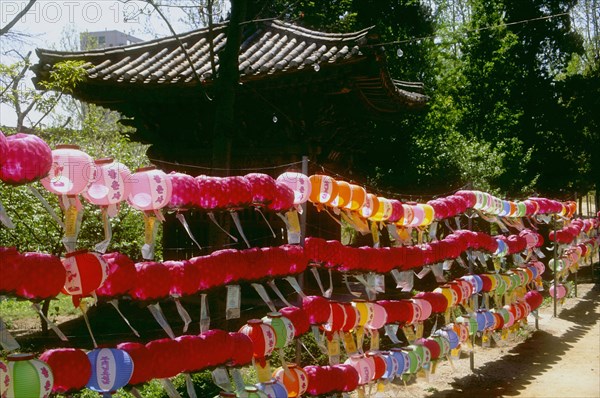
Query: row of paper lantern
65	370
70	171
571	231
37	276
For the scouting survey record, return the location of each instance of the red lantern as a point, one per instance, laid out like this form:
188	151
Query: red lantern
211	192
242	349
184	191
85	273
317	308
143	360
238	192
121	276
167	353
184	278
262	336
263	188
3	148
27	158
534	299
298	318
349	378
337	318
220	347
195	348
153	281
9	269
284	198
71	369
43	276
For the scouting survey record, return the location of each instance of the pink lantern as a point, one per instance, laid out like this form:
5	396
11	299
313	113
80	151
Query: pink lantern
238	192
149	189
298	183
109	185
379	318
211	192
26	158
364	366
72	171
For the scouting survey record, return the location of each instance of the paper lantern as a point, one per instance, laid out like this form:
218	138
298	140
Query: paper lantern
357	198
184	191
414	360
9	269
219	347
422	352
242	349
70	367
378	362
449	334
284	198
211	192
295	381
349	378
317	308
43	276
283	327
299	184
149	190
263	188
370	206
379	317
408	215
252	392
72	171
143	360
86	272
5	378
534	299
262	336
363	366
299	319
27	377
425	308
3	148
184	278
402	359
432	345
344	195
392	366
397	211
121	275
196	349
109	185
351	317
273	389
557	292
324	189
237	192
153	281
337	318
111	369
167	353
27	158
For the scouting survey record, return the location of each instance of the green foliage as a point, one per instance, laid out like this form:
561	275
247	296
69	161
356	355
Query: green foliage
65	76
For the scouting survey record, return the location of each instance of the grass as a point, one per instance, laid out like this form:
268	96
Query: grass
12	309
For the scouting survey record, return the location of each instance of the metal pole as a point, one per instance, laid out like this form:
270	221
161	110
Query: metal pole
302	238
555	265
475	299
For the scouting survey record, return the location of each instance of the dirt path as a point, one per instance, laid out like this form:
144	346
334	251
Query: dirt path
561	359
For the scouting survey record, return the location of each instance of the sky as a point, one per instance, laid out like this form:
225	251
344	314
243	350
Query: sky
57	24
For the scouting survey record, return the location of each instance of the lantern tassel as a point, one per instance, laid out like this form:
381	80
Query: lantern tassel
115	303
46	205
266	221
315	273
273	286
150	230
5	219
204	314
189	385
73	216
134	391
101	247
295	285
157	313
345	279
7	341
262	292
334	218
329	290
238	380
83	308
169	388
51	324
211	215
187	228
185	316
238	225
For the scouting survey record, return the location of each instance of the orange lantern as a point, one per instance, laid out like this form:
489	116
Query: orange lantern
357	198
344	195
324	189
370	207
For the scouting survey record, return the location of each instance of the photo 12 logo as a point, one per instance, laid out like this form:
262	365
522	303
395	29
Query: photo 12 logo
83	11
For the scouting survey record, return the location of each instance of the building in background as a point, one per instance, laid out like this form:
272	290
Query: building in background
105	39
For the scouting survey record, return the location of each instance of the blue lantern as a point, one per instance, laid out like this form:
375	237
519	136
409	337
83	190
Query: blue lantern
111	370
273	389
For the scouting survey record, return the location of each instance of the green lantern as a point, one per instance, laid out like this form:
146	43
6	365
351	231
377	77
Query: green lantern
284	329
29	377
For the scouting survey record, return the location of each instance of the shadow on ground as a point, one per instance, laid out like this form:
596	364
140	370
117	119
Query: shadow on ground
511	373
